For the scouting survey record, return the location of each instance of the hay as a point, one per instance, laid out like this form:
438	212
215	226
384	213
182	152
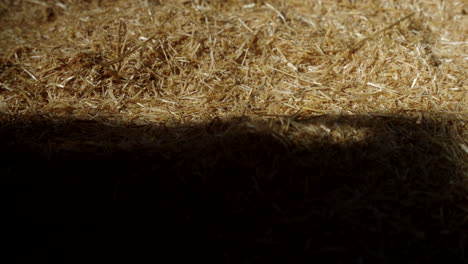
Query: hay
188	62
336	120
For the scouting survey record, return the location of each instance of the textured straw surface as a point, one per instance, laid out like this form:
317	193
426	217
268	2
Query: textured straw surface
238	131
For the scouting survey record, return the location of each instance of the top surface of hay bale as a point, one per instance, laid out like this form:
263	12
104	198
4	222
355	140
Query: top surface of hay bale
184	61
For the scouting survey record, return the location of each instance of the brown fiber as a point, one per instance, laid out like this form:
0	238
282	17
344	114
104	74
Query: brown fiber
310	129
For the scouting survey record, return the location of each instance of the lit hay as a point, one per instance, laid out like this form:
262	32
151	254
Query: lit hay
343	121
189	62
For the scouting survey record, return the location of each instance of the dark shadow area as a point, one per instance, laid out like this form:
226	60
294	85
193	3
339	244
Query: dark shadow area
237	191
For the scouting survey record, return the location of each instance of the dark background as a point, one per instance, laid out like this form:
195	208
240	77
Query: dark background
85	191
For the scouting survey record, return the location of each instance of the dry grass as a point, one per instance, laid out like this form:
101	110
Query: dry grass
184	62
368	96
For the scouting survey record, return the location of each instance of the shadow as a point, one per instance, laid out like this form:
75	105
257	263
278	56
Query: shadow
334	189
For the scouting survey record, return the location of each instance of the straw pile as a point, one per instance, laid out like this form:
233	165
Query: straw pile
269	130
